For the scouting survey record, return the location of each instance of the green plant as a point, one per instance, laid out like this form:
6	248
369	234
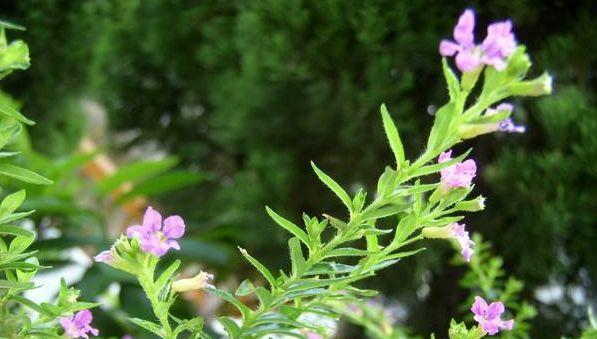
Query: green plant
323	253
18	263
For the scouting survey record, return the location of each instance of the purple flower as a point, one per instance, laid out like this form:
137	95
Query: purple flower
499	44
468	57
155	238
106	256
457	175
461	235
78	325
489	316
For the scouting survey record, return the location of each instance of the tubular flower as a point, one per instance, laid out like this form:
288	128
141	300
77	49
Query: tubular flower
155	238
458	175
453	231
78	325
106	256
466	244
198	282
495	49
489	316
506	125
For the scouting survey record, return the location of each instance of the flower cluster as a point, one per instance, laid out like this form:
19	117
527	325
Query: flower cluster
498	45
489	316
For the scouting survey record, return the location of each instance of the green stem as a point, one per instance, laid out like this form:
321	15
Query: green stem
160	309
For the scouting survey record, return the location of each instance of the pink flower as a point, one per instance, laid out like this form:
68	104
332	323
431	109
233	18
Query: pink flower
78	325
155	238
468	57
457	175
489	316
499	44
466	244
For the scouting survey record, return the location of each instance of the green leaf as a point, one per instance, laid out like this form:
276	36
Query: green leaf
296	256
23	266
148	325
242	308
440	130
265	297
14	114
289	226
162	184
10	25
8	154
21	243
23	174
135	173
334	186
330	268
12	202
347	252
245	288
26	302
451	81
230	326
6	284
393	136
401	255
260	267
165	276
16	230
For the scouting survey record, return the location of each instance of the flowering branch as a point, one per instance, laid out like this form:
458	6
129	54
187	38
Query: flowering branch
323	271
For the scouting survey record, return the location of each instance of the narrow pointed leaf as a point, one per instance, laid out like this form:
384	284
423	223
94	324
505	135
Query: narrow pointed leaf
334	186
393	136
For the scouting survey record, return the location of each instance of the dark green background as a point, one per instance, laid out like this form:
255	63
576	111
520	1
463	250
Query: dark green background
254	90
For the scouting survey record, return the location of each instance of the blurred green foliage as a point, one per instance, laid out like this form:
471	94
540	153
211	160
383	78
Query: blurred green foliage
251	91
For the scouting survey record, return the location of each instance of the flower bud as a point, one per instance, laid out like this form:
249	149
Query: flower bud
519	63
469	79
539	86
471	130
475	205
198	282
443	232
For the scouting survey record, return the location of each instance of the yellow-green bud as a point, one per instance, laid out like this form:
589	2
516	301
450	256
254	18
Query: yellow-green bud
539	86
198	282
477	204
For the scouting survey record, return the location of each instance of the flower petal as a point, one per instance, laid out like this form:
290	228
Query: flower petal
507	325
467	60
83	318
479	306
152	220
136	231
448	48
463	32
174	227
495	310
